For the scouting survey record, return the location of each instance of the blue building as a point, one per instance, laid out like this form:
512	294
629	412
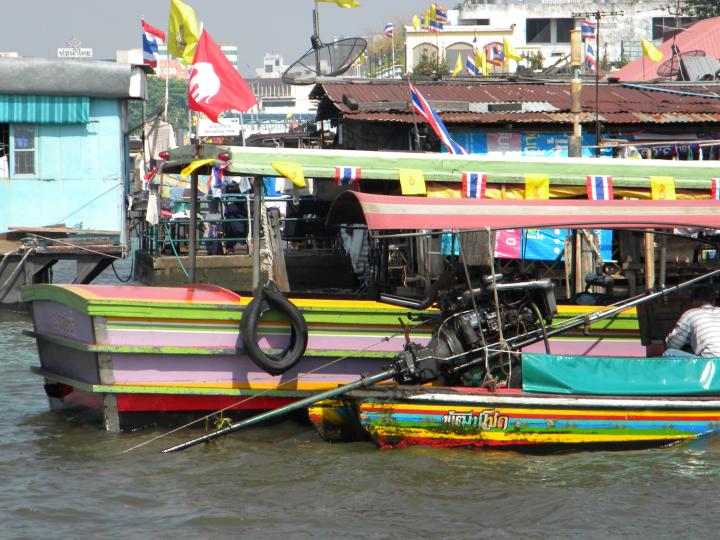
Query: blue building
64	142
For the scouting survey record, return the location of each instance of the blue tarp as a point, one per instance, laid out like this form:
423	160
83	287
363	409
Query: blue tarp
601	375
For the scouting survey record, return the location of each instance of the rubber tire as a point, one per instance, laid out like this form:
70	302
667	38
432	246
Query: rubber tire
278	364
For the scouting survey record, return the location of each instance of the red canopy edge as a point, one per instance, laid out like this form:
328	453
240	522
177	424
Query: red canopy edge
385	212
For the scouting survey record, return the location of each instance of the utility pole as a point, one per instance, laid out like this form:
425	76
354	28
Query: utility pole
597	15
575	140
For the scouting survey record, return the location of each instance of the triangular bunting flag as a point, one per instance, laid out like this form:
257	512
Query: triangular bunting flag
473	185
715	189
291	171
537	186
347	176
196	165
599	188
662	188
412	182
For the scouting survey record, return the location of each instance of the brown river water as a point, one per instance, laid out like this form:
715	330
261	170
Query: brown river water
61	477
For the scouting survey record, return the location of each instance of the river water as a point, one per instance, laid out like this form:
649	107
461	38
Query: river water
63	478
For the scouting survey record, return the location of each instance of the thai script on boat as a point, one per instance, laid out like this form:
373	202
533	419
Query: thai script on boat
63	325
483	420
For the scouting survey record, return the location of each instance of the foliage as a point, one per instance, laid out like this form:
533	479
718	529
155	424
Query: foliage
177	103
381	48
535	60
702	8
428	66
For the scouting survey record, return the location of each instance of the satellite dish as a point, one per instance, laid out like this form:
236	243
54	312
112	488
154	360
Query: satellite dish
671	67
328	60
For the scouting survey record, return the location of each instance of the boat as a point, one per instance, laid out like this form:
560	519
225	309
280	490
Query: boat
470	386
140	356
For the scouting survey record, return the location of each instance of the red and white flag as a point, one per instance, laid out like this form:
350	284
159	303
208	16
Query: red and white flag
715	189
599	188
215	85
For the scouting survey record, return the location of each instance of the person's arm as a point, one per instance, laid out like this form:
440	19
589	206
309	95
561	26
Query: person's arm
680	335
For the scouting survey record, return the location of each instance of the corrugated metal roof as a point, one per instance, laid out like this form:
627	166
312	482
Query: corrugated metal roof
387	101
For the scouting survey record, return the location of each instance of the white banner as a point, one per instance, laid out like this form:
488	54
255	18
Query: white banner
225	128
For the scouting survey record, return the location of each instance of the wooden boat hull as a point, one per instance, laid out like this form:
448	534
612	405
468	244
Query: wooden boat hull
127	351
513	419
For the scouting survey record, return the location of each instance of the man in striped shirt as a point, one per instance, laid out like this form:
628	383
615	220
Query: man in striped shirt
698	327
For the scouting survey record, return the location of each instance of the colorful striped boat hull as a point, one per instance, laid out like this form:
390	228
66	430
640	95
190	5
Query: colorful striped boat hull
448	417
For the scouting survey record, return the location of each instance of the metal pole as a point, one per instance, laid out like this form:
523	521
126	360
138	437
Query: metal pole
575	140
597	83
192	233
257	202
316	41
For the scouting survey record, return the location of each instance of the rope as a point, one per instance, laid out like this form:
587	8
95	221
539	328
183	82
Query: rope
268	259
89	202
266	391
130	276
75	246
172	245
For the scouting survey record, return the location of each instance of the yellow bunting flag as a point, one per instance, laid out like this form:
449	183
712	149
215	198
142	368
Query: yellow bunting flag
650	51
458	66
416	22
412	182
537	186
509	51
291	171
183	31
481	62
196	165
662	188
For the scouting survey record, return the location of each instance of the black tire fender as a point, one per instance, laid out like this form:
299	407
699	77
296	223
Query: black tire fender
275	364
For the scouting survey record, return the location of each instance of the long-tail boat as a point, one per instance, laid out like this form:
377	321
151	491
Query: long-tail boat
146	354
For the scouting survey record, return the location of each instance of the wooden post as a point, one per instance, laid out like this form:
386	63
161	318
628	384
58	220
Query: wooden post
577	263
257	202
275	245
649	260
192	233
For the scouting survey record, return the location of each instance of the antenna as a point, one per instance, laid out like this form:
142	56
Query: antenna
323	60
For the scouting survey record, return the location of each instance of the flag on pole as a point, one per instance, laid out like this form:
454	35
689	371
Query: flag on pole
537	186
216	175
389	28
599	188
650	51
439	13
509	51
435	26
347	176
423	108
587	29
342	3
715	189
590	59
416	22
662	188
151	37
470	66
458	65
183	31
215	85
473	185
494	53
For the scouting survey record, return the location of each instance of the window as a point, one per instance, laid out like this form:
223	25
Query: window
4	151
268	68
537	31
666	27
23	148
562	30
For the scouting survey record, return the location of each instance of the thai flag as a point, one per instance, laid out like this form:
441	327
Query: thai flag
440	13
389	28
151	37
473	185
587	29
347	176
470	66
495	53
715	189
216	175
599	188
423	108
435	26
590	60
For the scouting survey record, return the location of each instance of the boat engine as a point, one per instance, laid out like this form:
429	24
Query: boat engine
472	326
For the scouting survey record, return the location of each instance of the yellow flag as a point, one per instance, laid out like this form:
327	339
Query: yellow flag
342	3
650	51
291	171
537	186
196	165
509	51
416	22
183	32
481	62
412	182
458	66
662	188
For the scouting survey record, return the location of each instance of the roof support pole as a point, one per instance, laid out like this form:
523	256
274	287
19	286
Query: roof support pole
575	140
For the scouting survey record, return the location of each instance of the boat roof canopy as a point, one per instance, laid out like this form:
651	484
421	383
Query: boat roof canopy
387	212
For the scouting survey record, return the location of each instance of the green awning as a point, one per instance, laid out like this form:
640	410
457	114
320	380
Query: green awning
44	109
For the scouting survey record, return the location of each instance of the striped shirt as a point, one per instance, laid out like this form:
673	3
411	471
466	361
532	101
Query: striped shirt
699	327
